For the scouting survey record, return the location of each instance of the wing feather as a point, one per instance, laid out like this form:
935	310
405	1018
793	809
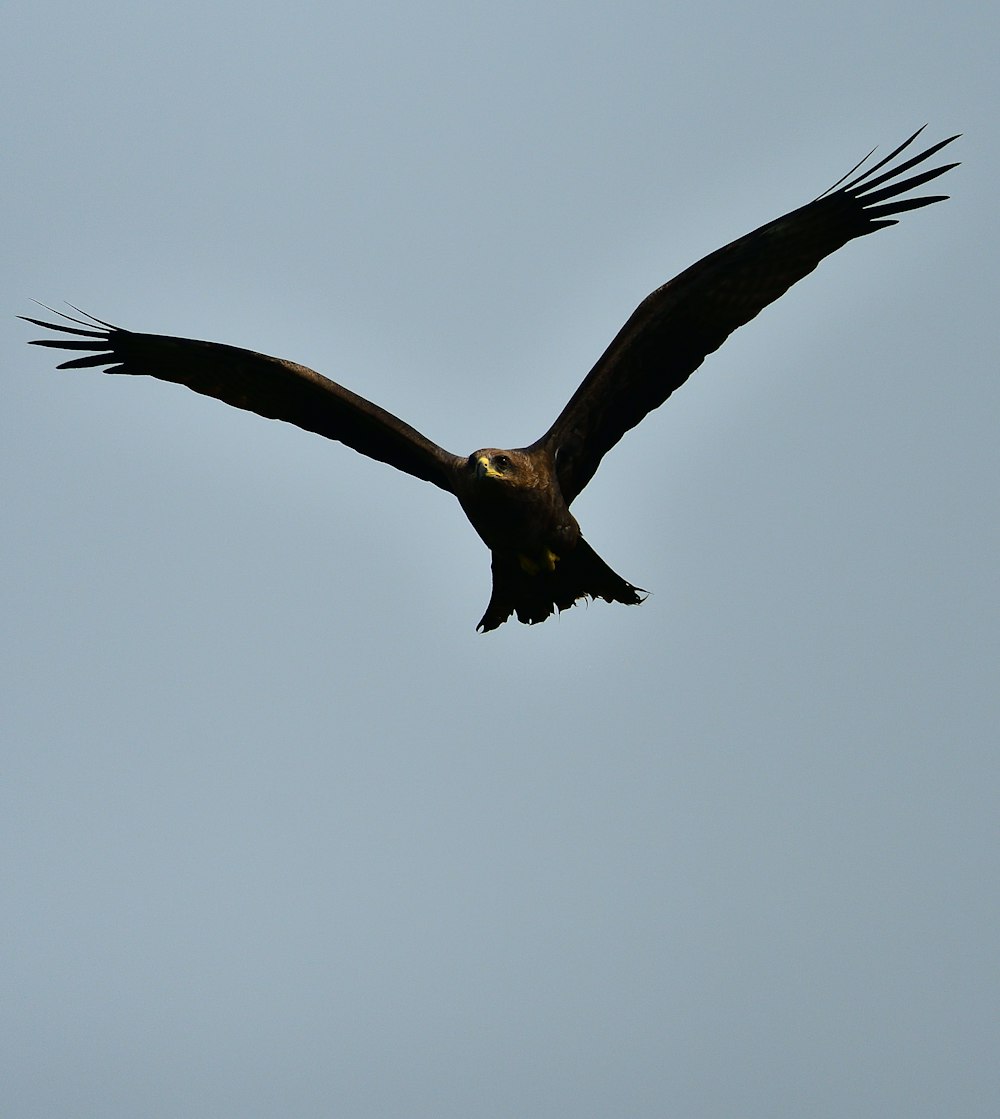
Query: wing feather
268	386
675	328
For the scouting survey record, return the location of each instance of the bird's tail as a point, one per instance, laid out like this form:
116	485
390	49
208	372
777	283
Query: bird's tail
533	594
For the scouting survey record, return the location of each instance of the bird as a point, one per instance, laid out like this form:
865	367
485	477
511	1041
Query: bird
518	500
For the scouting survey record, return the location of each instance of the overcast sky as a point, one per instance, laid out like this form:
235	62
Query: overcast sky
281	834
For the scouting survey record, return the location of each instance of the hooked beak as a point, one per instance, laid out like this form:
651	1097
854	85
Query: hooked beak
485	469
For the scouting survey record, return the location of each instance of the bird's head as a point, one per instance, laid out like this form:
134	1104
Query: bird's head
492	465
494	470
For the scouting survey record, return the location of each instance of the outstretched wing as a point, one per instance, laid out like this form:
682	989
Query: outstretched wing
673	330
269	386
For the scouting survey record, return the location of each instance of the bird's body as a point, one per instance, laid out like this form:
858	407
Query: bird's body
519	500
540	560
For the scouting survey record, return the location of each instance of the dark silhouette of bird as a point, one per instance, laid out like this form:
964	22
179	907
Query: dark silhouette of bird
519	500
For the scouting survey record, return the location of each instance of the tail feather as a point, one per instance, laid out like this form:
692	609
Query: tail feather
580	573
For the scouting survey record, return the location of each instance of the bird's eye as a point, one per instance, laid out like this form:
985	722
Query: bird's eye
501	462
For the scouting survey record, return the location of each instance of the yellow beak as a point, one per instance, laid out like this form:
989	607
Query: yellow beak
485	469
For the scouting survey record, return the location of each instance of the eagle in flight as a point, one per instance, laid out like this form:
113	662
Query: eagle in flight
519	500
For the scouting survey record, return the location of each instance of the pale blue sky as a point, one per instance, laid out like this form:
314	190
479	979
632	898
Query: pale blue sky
281	834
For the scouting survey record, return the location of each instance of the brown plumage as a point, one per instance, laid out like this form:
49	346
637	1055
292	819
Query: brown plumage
518	500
